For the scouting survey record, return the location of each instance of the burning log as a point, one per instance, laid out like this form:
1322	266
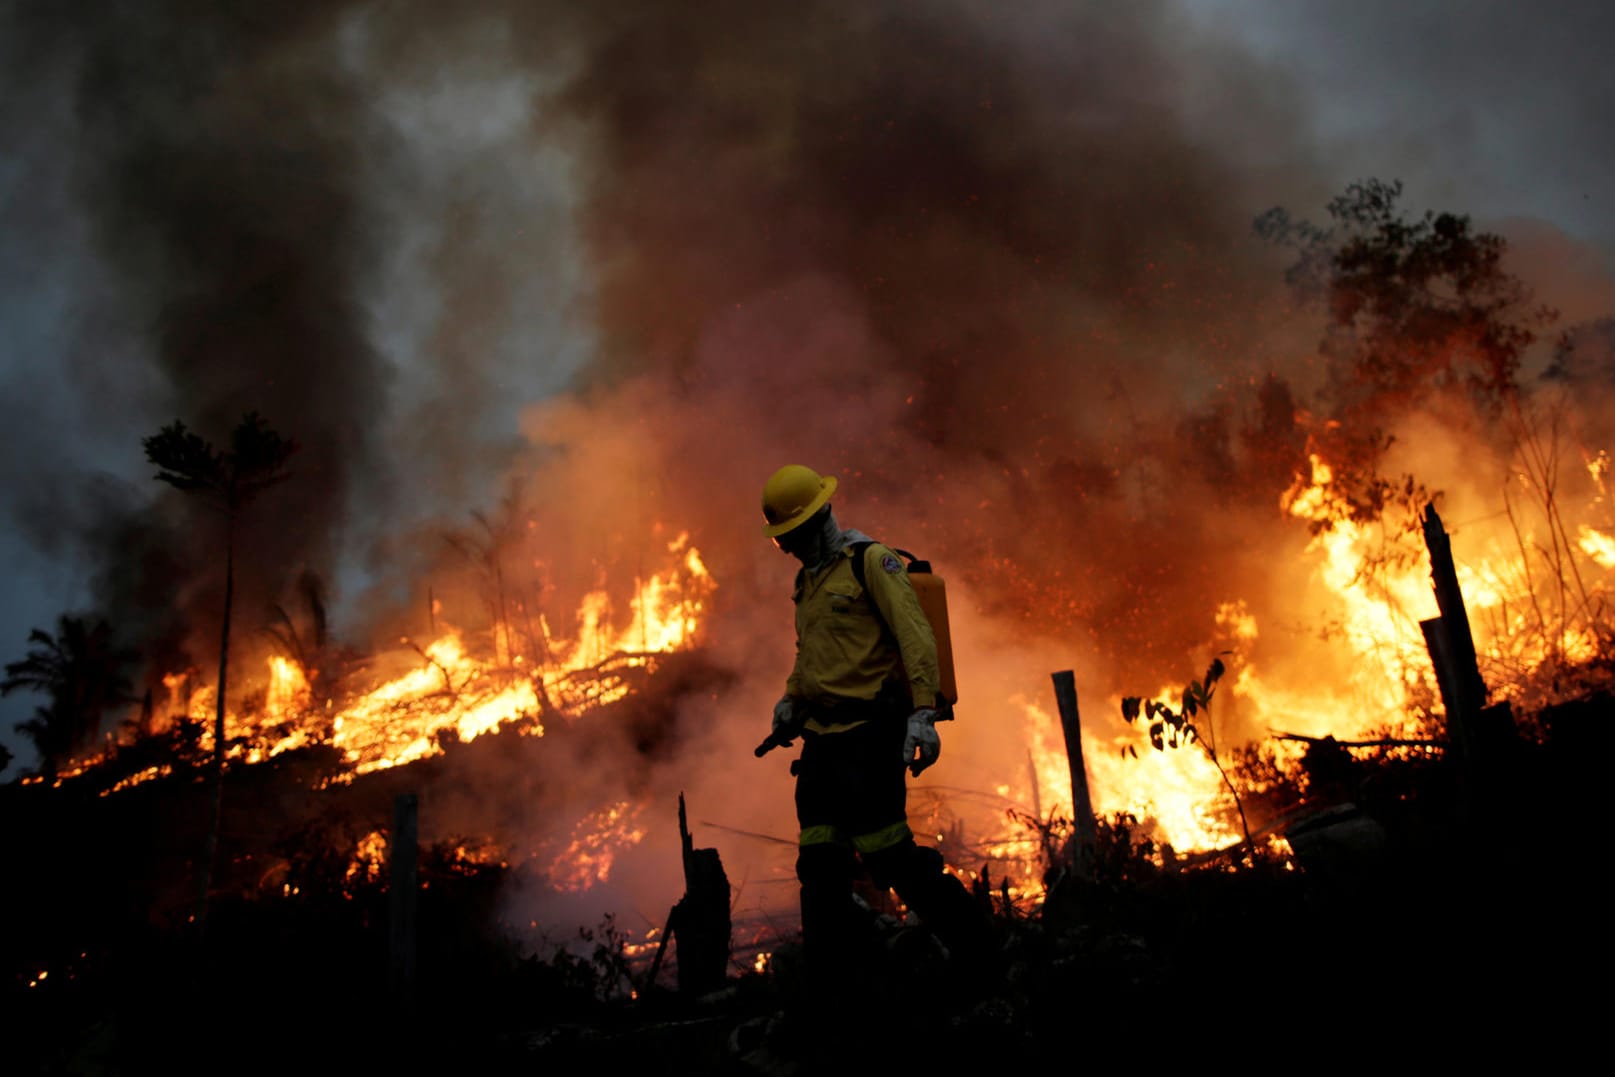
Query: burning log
700	919
1377	742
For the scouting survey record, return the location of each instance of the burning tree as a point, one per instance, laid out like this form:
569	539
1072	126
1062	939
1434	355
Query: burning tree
1416	307
1423	312
226	480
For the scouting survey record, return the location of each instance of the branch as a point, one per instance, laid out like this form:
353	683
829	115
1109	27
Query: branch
1383	742
448	681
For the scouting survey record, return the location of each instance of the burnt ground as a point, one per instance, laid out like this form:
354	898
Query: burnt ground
1440	915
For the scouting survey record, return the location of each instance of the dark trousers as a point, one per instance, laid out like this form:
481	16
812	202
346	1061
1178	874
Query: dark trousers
851	794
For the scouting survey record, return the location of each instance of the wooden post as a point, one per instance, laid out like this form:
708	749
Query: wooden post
1448	677
1082	819
1468	689
1482	735
402	898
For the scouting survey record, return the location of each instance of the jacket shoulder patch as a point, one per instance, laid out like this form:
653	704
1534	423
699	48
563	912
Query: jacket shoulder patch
891	564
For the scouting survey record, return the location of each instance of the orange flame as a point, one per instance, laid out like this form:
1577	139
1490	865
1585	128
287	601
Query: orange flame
453	693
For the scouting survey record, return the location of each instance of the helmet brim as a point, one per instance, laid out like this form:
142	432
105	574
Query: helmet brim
802	516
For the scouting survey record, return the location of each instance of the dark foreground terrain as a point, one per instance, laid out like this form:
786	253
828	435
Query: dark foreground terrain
1438	914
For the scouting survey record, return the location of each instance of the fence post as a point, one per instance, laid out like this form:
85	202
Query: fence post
1082	818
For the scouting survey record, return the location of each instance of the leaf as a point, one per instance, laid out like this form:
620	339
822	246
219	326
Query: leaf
1130	705
1155	736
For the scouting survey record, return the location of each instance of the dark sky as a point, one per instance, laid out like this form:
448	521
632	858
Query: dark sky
387	225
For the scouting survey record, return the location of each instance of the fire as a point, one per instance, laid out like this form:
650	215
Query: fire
1598	545
1380	614
369	859
461	684
1529	610
596	840
454	691
160	771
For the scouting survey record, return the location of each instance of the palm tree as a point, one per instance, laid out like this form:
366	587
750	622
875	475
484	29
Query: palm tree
82	672
227	480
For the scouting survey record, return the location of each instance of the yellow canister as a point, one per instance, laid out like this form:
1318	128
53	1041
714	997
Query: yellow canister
933	594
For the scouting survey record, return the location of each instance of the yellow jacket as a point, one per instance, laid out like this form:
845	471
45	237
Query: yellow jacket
844	651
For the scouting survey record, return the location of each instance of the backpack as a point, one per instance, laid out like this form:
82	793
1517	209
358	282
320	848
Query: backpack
933	594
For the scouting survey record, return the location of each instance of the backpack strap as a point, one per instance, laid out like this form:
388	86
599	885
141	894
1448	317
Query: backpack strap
860	548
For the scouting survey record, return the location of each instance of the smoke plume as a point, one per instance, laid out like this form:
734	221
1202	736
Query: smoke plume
594	273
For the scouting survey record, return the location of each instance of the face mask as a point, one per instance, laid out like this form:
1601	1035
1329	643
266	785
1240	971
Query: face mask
815	543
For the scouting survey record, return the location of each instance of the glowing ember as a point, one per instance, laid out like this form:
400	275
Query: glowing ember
369	859
146	775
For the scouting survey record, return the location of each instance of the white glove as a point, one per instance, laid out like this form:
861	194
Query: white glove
783	714
922	738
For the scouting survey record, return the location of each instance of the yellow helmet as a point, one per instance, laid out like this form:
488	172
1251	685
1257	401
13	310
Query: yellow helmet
792	494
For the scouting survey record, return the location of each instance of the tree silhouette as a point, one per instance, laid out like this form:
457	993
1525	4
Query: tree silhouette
1171	727
1427	305
1415	306
225	480
303	645
82	672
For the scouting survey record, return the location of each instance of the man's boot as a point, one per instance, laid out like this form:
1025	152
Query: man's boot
944	905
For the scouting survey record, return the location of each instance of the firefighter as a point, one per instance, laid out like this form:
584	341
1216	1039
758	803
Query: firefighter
863	697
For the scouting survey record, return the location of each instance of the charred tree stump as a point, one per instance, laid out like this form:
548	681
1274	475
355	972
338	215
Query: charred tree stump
699	921
1481	735
1456	666
402	897
1449	677
1082	819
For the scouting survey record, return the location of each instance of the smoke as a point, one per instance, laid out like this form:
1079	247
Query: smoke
596	273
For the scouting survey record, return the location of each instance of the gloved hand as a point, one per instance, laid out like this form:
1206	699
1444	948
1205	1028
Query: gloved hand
784	714
922	738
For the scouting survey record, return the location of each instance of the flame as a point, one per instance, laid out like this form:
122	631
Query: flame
369	859
1598	545
596	840
451	692
1381	681
461	685
158	771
